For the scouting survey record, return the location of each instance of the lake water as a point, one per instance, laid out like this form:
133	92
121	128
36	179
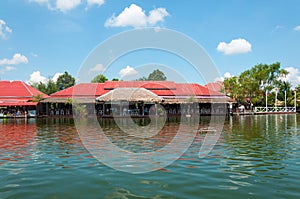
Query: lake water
255	157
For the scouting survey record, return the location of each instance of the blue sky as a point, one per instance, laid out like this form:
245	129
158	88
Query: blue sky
41	39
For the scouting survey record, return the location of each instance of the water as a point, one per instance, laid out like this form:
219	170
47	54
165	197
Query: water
255	157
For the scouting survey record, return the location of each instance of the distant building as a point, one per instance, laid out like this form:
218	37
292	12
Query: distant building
138	98
215	86
17	99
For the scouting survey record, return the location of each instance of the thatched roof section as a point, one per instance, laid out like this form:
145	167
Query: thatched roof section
69	100
196	100
130	95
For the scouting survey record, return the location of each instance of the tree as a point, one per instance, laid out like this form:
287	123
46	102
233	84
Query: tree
142	79
157	75
115	79
38	98
65	81
99	79
254	83
48	88
51	87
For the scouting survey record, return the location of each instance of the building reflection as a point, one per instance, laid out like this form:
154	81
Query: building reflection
17	138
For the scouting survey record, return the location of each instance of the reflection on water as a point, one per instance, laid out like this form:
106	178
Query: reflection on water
255	157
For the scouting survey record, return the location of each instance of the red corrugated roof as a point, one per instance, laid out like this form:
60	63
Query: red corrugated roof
17	92
216	86
150	85
81	90
187	89
160	88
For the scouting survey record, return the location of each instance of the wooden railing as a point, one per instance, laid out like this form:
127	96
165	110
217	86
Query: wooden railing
274	110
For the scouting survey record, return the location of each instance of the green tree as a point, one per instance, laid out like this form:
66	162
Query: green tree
142	79
48	88
115	79
99	79
253	83
38	98
65	81
51	87
41	87
157	75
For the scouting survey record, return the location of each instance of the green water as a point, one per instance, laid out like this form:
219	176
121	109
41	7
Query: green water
255	157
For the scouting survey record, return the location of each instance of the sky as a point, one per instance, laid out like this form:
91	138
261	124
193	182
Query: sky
41	39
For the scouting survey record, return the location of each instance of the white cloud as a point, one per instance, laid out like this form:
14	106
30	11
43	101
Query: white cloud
128	71
297	28
226	75
6	69
95	2
66	5
17	59
9	68
293	77
40	1
98	68
33	54
236	46
136	17
56	75
4	30
36	77
157	15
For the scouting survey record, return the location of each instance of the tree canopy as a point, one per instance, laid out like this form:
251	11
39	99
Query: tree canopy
155	75
65	81
252	84
99	79
48	87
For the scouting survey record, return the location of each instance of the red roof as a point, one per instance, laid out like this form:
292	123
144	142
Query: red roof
216	86
160	88
89	90
18	89
187	89
17	93
150	85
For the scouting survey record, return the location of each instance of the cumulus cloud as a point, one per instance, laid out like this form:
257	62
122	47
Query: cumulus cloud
6	69
95	2
56	76
293	77
297	28
33	54
36	77
226	75
157	15
4	30
17	59
128	71
236	46
67	5
40	1
136	17
98	68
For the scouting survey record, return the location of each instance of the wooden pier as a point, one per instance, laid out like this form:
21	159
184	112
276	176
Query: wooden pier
267	110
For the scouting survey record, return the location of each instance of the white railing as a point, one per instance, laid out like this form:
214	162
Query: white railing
274	110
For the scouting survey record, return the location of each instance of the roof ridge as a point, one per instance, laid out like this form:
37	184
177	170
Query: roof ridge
26	88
